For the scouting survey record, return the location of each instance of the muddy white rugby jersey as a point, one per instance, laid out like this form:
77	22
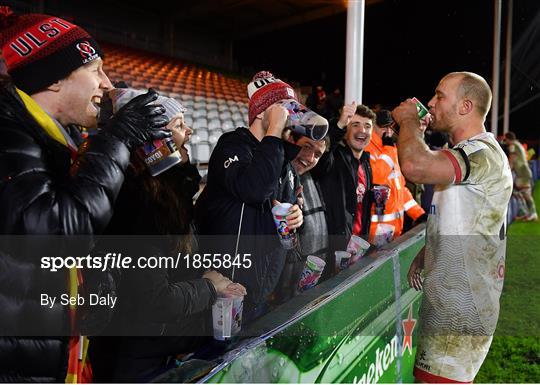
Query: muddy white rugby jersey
465	246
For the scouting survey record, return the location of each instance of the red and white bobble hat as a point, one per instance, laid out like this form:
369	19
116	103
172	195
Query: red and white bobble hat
265	90
39	49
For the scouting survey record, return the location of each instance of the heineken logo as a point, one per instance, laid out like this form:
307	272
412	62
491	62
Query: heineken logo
385	357
408	327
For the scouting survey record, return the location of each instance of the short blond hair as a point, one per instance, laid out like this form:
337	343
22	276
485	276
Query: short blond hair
474	87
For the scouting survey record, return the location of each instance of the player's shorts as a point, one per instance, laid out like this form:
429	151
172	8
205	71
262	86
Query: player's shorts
450	359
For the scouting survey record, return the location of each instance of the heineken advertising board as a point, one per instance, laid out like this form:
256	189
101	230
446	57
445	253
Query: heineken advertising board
360	331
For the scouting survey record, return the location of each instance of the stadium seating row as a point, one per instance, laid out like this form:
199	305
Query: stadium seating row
216	103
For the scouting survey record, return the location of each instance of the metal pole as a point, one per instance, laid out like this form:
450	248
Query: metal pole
508	66
354	60
496	59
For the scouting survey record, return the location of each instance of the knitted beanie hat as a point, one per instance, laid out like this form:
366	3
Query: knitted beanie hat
121	96
265	90
39	49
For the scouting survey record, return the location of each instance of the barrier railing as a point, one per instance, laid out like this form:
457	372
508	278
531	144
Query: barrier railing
358	326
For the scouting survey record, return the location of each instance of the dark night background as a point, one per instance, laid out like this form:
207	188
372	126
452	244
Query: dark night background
408	46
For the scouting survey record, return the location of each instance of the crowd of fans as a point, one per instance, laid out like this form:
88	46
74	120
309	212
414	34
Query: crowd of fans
53	181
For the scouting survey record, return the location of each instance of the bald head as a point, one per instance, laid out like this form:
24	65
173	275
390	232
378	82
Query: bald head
473	87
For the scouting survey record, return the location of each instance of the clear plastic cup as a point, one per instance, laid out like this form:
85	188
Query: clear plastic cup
357	246
303	121
342	260
286	236
237	310
222	318
227	317
380	196
311	273
384	233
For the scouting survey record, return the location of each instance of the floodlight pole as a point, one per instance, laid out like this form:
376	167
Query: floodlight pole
508	68
354	59
496	66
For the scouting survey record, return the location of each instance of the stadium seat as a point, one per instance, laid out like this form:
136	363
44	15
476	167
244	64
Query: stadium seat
195	139
212	114
227	125
237	116
202	133
226	115
240	123
214	124
200	123
199	113
211	106
188	103
199	105
201	152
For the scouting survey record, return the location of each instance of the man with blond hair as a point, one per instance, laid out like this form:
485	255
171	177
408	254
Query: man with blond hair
51	187
464	256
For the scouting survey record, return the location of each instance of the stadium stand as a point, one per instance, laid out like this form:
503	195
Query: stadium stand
216	103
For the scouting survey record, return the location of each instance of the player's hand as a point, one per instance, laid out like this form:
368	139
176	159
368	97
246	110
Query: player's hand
405	112
347	113
414	276
425	121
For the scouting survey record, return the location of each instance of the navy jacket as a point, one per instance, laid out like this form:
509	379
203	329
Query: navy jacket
243	170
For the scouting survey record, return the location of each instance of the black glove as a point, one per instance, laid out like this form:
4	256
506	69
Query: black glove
139	122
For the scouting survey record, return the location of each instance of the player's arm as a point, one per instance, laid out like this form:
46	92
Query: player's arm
418	163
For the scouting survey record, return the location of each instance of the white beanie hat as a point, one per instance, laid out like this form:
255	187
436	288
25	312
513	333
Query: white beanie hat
121	96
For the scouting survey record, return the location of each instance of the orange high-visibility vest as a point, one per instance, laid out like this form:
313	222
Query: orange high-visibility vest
385	170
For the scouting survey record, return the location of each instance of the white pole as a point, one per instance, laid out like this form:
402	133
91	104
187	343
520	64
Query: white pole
354	60
508	68
496	66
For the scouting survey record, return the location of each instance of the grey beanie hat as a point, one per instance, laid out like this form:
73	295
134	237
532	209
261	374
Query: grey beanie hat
121	96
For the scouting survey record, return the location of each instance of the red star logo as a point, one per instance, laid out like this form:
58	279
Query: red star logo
408	327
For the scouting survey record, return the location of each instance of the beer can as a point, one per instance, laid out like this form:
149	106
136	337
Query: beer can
420	108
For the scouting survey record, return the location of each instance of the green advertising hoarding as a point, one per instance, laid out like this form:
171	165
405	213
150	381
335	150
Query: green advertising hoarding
360	329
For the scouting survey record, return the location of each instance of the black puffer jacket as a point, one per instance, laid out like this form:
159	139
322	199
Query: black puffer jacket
337	175
42	194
